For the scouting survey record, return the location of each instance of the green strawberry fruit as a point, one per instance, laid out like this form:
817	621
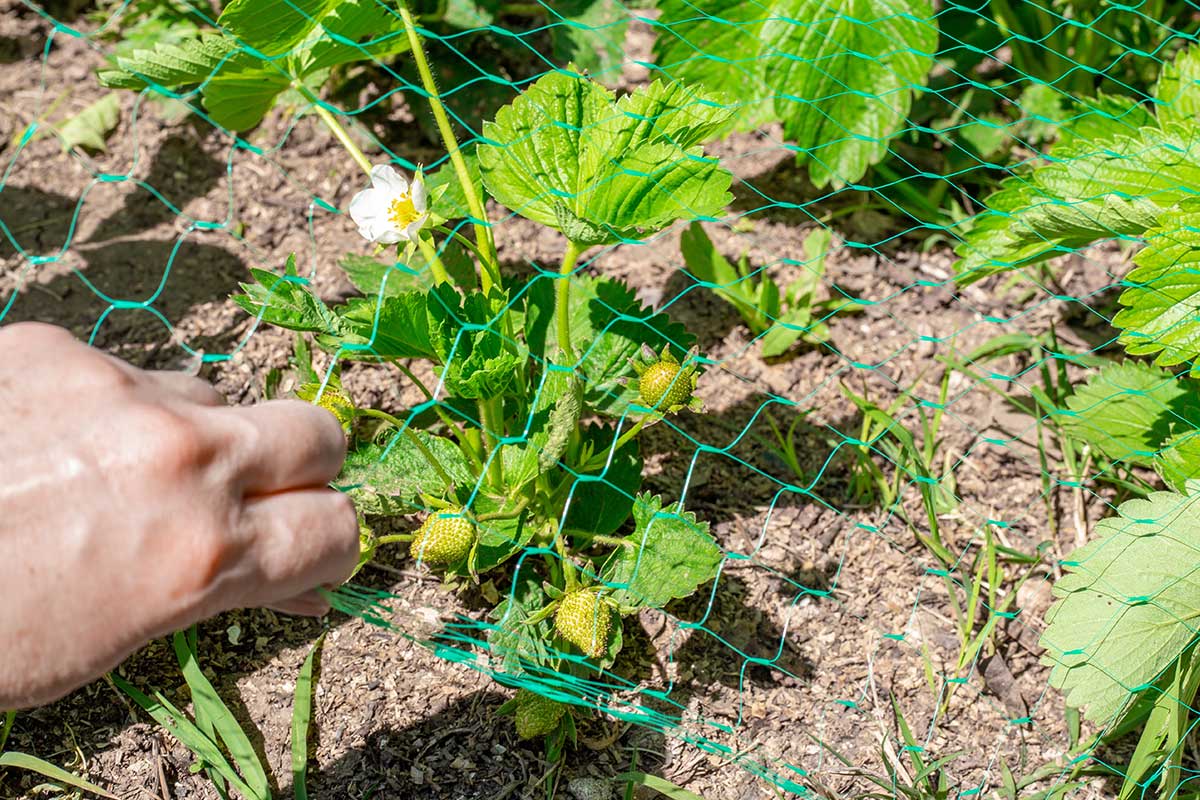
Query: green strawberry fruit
584	620
663	387
536	715
444	538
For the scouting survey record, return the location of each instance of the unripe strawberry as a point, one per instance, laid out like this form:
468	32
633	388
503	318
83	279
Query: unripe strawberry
584	620
444	538
662	386
536	715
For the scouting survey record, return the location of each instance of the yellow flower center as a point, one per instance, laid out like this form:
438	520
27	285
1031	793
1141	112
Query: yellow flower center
402	212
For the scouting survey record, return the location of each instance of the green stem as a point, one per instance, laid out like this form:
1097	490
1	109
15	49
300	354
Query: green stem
393	538
512	513
599	459
340	133
570	580
491	419
562	301
489	268
412	437
464	241
435	261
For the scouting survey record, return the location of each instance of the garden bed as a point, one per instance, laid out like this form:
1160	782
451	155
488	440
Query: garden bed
829	609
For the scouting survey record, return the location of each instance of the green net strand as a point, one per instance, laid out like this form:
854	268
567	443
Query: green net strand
1000	176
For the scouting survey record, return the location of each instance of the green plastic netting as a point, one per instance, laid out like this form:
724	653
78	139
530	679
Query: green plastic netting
931	266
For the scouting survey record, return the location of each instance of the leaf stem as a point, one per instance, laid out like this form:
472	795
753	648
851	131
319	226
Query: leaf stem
435	261
489	268
600	459
562	300
491	420
340	133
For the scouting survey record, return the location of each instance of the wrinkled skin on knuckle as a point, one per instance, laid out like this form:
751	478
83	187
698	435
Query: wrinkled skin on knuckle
176	444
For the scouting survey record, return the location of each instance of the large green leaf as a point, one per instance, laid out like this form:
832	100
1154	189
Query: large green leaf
1127	604
715	44
392	326
1177	93
1162	304
843	74
1115	173
839	74
273	27
266	46
568	156
386	479
1129	410
669	555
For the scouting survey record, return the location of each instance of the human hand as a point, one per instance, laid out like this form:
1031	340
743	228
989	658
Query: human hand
135	503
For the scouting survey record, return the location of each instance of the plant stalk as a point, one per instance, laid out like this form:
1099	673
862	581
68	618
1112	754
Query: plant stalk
340	133
562	301
491	420
489	268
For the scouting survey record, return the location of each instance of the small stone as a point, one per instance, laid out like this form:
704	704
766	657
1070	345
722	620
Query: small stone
590	789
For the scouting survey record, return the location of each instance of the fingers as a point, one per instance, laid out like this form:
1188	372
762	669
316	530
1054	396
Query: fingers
190	388
300	540
286	444
309	604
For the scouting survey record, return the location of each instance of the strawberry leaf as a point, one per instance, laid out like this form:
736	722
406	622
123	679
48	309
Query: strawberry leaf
608	327
1162	302
602	498
264	48
716	44
1126	604
392	326
669	555
1178	460
514	642
387	479
566	155
1127	411
285	300
843	75
466	337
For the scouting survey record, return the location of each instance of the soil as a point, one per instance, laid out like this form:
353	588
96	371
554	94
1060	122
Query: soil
828	608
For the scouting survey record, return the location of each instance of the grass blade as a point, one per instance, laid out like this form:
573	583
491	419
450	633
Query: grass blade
46	769
9	718
660	785
188	734
209	704
301	718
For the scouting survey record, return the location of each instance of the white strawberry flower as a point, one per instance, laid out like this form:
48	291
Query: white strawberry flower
391	209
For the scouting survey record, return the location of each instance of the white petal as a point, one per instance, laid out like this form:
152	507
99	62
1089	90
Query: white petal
368	204
390	236
419	196
413	229
384	177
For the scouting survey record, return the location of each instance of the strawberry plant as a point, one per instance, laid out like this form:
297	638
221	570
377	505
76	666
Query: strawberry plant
521	470
1121	637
